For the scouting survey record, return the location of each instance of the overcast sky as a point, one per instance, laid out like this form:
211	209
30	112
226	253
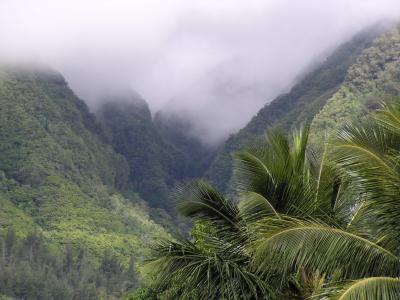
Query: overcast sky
214	62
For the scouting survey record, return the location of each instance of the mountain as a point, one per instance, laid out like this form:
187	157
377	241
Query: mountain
154	164
375	77
298	106
159	152
60	178
197	156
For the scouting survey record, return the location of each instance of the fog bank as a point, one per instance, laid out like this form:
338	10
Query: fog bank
214	62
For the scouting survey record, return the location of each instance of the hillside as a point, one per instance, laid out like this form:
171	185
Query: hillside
374	78
59	176
197	156
154	164
298	106
159	152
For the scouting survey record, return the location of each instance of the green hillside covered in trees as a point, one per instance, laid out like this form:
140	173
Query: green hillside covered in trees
374	78
60	179
159	152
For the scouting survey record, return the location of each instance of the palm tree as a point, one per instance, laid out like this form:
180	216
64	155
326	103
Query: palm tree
324	224
279	175
360	258
216	264
300	185
291	177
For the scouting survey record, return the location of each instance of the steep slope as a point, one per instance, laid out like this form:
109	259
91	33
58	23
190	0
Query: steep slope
374	78
196	155
159	152
59	175
154	164
300	105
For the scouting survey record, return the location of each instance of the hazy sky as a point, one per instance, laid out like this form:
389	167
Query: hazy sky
215	62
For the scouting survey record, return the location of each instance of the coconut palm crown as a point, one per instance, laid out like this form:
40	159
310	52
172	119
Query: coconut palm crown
303	224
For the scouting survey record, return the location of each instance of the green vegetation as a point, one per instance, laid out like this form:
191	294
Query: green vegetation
373	78
153	162
160	154
30	269
60	177
309	224
298	106
196	156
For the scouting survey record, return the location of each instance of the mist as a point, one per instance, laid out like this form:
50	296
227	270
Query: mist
215	63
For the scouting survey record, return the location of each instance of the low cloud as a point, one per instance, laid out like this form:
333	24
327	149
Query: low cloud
213	62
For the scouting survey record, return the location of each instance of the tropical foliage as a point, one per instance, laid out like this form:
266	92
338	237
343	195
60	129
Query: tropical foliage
308	224
373	77
60	177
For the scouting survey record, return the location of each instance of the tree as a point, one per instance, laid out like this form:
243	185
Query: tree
277	176
361	258
10	240
110	265
217	266
321	224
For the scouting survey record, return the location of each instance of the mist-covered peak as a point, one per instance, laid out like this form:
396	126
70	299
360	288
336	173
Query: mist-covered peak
126	101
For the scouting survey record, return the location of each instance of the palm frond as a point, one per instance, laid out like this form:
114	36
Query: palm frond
333	200
254	207
201	201
221	273
286	244
253	173
389	117
372	288
277	171
299	148
365	153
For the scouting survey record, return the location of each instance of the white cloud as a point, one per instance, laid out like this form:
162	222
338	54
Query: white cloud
216	61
